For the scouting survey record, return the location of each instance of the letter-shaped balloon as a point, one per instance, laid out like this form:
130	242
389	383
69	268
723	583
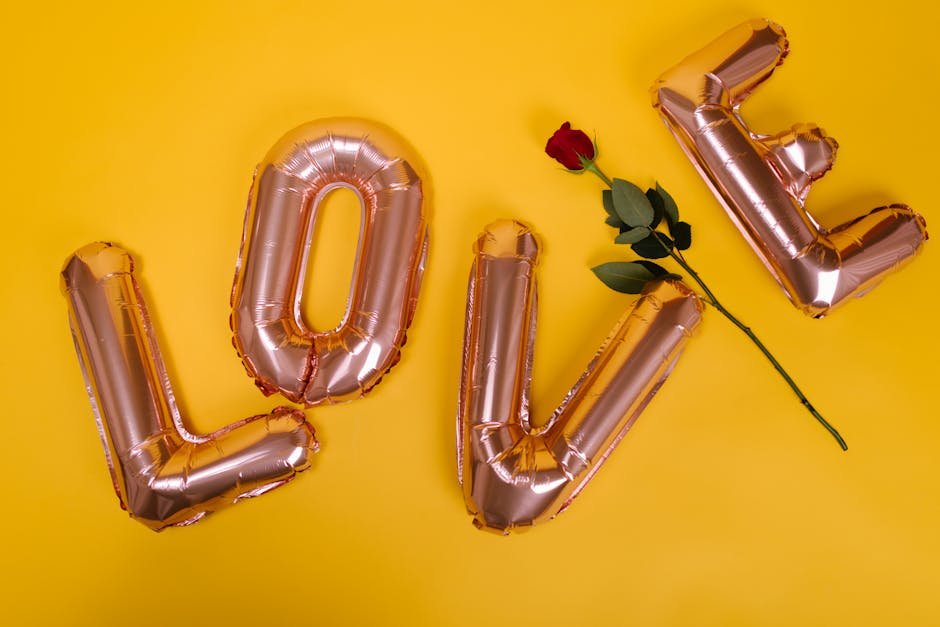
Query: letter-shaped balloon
512	475
763	180
164	475
275	345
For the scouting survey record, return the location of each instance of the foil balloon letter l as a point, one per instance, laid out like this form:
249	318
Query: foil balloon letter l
277	348
763	180
514	476
163	474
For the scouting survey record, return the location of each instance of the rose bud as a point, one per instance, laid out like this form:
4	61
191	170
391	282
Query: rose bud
570	147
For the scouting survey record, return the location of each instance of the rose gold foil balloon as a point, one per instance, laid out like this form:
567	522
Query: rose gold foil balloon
276	346
513	475
763	180
163	474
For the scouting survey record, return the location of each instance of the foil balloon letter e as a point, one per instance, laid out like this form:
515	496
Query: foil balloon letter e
163	474
514	476
277	348
763	180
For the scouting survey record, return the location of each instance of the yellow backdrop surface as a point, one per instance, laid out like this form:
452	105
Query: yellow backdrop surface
725	505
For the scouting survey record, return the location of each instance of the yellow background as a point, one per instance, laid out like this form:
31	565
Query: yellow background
726	505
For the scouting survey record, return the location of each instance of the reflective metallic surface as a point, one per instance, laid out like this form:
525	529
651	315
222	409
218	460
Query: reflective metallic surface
276	346
763	180
515	476
163	474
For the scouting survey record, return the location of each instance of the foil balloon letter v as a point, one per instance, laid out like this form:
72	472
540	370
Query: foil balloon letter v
514	476
164	475
763	180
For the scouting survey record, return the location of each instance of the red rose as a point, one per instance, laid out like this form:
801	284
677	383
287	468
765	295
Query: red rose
568	146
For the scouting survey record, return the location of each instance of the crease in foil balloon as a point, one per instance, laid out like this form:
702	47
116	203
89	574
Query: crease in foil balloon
277	348
514	476
163	474
763	180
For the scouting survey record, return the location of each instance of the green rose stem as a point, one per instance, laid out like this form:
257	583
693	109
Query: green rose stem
590	166
711	299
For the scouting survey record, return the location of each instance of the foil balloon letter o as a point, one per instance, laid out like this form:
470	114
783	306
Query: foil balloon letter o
277	348
763	180
514	476
163	474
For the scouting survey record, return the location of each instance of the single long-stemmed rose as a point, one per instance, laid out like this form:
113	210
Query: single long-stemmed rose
640	218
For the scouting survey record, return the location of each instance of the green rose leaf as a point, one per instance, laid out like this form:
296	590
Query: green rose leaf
682	232
655	246
626	277
632	236
608	198
631	204
657	270
658	207
670	208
